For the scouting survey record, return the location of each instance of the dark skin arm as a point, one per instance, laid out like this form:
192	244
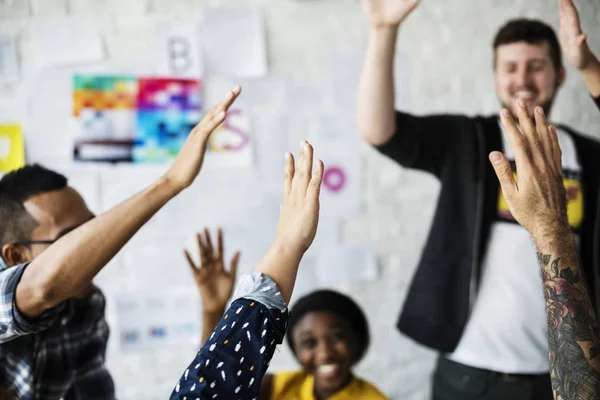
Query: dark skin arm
537	200
68	266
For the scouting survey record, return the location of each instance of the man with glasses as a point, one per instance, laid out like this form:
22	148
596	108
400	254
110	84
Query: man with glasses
53	333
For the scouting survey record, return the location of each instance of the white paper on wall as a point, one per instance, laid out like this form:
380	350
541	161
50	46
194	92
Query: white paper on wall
65	40
155	268
155	320
234	42
178	50
341	189
231	144
343	68
9	59
347	264
271	133
14	8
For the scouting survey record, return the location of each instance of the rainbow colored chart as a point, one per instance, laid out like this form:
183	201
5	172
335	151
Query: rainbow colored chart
128	118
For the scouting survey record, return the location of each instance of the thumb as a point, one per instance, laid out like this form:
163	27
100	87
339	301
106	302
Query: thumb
581	39
504	173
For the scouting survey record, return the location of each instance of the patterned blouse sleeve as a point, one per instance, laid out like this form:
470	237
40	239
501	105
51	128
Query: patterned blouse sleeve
234	359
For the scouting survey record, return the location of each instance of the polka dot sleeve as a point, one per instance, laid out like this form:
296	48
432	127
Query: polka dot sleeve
234	359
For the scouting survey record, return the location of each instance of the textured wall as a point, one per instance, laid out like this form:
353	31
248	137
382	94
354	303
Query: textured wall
446	48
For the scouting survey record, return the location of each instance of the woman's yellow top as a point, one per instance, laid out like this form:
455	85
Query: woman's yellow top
299	386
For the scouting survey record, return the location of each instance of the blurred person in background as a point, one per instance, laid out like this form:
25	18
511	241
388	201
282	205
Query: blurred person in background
327	332
475	295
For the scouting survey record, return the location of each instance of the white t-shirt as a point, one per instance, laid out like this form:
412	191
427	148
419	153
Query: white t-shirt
507	329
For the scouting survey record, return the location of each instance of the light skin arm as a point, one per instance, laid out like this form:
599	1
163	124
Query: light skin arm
376	115
70	264
575	47
537	200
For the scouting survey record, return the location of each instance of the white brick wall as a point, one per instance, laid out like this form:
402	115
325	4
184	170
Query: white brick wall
447	49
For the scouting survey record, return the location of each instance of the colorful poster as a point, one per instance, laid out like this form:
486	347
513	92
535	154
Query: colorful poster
126	118
12	150
104	108
167	110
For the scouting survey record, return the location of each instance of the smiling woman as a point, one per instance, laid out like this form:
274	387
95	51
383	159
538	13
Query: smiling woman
328	334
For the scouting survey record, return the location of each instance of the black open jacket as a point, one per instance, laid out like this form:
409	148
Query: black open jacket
455	149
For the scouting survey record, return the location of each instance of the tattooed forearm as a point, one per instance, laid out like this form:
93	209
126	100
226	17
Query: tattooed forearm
574	345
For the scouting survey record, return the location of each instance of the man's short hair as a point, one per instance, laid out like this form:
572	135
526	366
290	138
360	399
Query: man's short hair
16	188
530	31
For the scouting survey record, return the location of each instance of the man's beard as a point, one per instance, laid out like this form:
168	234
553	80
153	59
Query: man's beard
547	107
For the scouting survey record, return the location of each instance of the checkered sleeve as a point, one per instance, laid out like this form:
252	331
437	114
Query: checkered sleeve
12	323
232	362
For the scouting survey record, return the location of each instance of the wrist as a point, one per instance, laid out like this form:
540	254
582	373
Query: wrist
549	235
213	311
591	66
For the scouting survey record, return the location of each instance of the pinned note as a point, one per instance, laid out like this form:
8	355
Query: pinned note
12	150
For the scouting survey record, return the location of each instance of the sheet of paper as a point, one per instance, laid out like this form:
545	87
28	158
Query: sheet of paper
347	264
155	320
343	68
154	268
12	150
234	42
64	40
341	190
14	8
231	145
271	133
178	50
9	59
264	95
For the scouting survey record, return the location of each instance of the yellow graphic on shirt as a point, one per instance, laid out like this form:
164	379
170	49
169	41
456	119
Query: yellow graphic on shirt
574	203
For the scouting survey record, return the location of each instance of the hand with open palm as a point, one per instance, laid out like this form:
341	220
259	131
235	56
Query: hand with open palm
388	13
214	282
572	39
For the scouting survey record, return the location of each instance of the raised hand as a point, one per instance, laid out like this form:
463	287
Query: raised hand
572	40
213	281
536	198
388	13
187	165
299	212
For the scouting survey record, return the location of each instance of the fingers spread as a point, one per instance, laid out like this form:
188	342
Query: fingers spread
541	126
504	173
526	123
556	151
314	187
303	171
203	252
190	261
517	140
219	244
209	246
288	174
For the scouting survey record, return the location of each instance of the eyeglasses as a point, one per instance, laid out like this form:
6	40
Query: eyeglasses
30	242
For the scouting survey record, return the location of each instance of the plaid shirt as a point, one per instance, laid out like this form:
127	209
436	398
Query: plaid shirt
59	355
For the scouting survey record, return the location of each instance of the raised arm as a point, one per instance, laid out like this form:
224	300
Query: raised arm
234	359
537	200
214	282
375	108
69	265
574	44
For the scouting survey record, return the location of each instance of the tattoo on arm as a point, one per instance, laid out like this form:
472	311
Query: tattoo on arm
574	343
